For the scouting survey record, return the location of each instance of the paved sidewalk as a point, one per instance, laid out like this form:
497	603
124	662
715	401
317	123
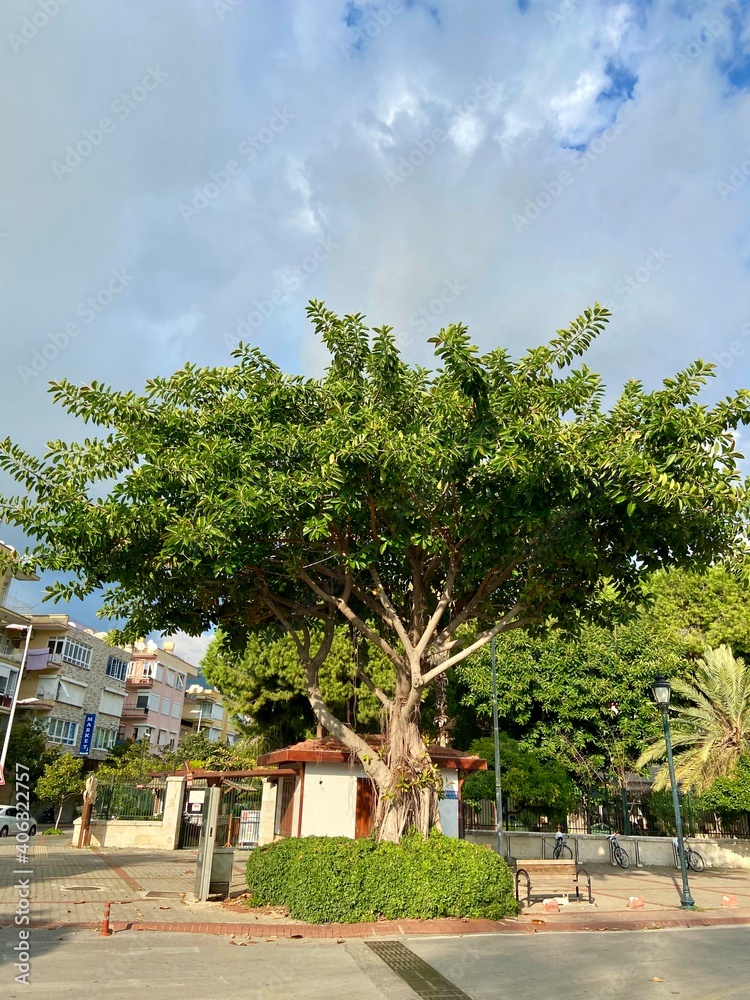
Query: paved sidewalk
154	890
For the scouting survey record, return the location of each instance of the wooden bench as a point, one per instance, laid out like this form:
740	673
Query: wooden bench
550	878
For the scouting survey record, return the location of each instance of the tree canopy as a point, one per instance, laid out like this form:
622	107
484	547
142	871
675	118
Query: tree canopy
429	511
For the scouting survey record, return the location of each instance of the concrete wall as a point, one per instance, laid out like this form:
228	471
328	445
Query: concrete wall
162	835
329	801
594	848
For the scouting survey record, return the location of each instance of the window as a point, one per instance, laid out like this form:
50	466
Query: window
117	668
104	739
171	674
70	650
60	731
163	739
180	684
173	740
147	670
111	702
166	706
131	669
71	693
141	701
7	680
61	689
153	702
160	672
175	710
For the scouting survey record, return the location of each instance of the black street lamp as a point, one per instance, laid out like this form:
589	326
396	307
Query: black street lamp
662	694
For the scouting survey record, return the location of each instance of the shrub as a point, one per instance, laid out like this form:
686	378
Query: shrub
53	832
335	879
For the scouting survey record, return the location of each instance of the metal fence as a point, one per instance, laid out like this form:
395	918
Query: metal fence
239	814
142	800
608	810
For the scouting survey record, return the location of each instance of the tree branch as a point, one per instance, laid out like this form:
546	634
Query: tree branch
442	604
341	605
504	625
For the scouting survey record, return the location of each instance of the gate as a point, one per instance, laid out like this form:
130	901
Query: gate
239	814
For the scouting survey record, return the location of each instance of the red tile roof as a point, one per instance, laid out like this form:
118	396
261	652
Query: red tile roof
332	750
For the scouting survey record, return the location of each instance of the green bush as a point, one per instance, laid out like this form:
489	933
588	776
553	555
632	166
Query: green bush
53	832
335	879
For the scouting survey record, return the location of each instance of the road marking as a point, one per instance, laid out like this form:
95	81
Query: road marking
420	977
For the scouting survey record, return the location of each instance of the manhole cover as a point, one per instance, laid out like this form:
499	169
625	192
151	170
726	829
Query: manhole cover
162	894
82	888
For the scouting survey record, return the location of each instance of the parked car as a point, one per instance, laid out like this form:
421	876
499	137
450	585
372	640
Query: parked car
9	822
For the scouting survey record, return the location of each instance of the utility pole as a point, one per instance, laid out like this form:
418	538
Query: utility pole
498	777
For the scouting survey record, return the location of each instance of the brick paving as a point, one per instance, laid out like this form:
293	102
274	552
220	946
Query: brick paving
69	888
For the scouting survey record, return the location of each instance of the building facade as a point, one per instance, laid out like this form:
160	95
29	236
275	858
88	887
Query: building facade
74	684
204	712
156	682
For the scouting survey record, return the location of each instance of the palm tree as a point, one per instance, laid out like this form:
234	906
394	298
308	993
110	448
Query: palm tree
710	725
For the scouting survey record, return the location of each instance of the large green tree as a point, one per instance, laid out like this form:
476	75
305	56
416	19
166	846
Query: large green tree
265	684
582	699
428	511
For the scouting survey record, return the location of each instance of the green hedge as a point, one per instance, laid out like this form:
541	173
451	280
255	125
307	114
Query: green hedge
335	879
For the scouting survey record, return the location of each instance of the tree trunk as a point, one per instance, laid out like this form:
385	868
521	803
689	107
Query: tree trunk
59	814
411	798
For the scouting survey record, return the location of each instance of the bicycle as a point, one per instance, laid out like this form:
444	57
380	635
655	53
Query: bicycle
693	859
561	849
619	854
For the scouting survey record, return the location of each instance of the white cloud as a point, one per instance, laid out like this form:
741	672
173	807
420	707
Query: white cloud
356	115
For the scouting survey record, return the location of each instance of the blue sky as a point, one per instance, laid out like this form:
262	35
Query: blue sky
178	175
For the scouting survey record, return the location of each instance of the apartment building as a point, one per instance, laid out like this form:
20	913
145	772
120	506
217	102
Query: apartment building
75	684
156	682
204	711
13	624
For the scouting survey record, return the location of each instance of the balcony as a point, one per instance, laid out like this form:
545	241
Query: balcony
134	712
9	652
132	683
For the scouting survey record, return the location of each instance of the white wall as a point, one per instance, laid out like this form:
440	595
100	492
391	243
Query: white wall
329	800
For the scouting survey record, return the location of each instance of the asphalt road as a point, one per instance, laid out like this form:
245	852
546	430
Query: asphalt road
697	964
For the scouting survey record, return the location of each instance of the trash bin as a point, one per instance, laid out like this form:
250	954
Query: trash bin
221	871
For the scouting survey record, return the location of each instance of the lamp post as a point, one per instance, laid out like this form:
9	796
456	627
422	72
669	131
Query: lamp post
14	699
498	777
662	690
199	713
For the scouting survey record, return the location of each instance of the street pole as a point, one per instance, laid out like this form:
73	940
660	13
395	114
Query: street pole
686	900
14	700
498	777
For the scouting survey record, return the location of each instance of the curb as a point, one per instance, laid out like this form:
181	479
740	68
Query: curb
405	928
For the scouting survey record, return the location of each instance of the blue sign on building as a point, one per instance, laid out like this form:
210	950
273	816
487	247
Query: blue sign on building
88	733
